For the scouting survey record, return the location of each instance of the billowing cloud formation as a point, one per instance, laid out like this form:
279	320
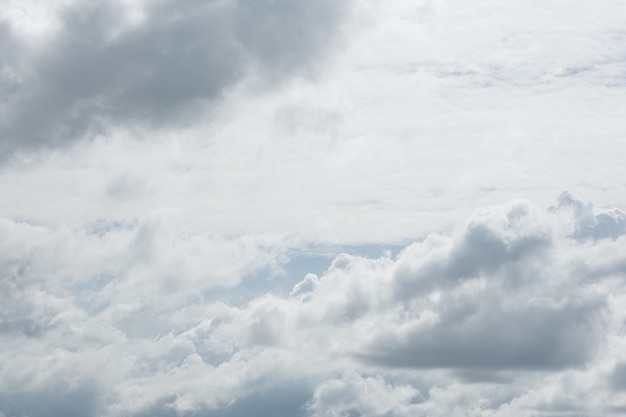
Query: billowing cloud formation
192	225
518	314
148	63
498	282
353	394
589	224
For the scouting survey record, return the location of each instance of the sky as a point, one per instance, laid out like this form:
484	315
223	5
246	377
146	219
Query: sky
294	208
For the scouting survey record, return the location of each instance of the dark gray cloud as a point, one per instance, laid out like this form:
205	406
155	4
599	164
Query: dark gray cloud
98	70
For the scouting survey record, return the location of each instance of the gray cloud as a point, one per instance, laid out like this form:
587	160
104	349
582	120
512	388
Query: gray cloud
484	334
501	304
52	402
277	400
100	70
617	379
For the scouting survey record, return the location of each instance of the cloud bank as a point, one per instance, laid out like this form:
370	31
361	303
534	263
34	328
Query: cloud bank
516	314
156	64
201	216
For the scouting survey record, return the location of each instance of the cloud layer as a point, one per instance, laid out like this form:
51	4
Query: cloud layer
497	316
156	64
296	208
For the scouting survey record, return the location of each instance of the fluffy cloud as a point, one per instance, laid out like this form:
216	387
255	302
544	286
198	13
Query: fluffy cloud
150	271
588	222
354	394
476	319
154	64
498	296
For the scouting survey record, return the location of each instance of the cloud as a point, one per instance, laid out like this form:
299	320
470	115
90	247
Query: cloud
485	334
497	297
472	319
492	240
53	402
617	379
278	400
589	223
148	270
152	64
353	394
130	272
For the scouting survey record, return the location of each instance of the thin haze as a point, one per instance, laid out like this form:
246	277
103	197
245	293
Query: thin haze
291	208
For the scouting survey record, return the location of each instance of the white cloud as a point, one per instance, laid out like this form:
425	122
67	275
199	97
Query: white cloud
367	397
149	270
431	331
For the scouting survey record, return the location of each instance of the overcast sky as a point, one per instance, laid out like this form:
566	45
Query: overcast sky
312	208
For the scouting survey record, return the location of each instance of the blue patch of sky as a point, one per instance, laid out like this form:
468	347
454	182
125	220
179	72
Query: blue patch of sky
86	292
312	260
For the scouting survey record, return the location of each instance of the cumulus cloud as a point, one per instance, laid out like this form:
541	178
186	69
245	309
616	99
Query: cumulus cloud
354	394
495	319
148	63
590	223
491	298
189	273
51	277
